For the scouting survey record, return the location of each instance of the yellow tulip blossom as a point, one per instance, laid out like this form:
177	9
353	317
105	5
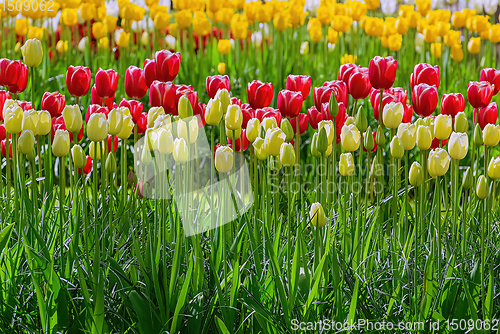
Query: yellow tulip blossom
458	20
345	59
413	19
239	26
281	20
495	33
452	37
402	25
342	23
184	18
332	35
325	14
430	34
22	27
457	53
394	42
436	50
224	46
390	26
201	24
423	6
474	45
372	4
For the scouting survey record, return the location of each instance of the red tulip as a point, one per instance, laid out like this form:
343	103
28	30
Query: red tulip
14	75
4	95
303	122
87	168
216	82
94	109
438	143
25	105
345	72
186	91
493	77
110	143
322	94
135	108
374	147
199	112
162	94
149	72
237	143
339	89
396	94
235	100
95	99
290	103
3	132
359	83
382	72
58	123
479	93
135	84
78	80
248	113
142	123
408	114
314	117
268	112
106	83
260	94
3	148
425	73
299	83
488	115
54	103
167	65
425	99
452	104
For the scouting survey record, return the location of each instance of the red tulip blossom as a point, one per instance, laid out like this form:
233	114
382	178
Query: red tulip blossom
260	94
452	104
345	72
162	94
106	83
382	72
167	65
216	82
479	93
425	99
135	84
299	83
149	72
78	80
54	103
14	75
487	115
290	103
303	122
95	99
135	108
425	73
493	77
359	83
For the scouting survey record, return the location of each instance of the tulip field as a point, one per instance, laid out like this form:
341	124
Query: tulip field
249	167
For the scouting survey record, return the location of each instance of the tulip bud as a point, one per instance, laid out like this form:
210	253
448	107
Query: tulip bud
268	123
369	143
115	122
213	112
260	151
333	106
350	121
416	174
314	146
346	164
32	52
328	126
233	134
361	120
380	136
494	168
110	163
180	152
127	127
458	145
461	122
97	127
478	136
322	142
393	114
438	162
224	159
253	127
350	138
397	148
317	215
467	180
224	97
26	142
407	133
273	140
286	127
491	135
424	137
79	157
482	190
287	155
60	145
184	107
72	118
96	150
442	126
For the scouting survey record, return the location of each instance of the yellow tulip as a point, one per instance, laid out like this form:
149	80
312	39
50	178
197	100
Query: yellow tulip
413	19
317	215
123	39
332	36
36	33
442	126
62	46
287	155
26	142
101	13
474	45
350	137
127	127
345	59
458	20
393	115
193	129
79	157
239	26
281	21
402	25
423	6
60	144
201	24
224	46
315	34
494	34
224	159
180	151
407	132
22	27
436	50
458	145
494	168
44	123
372	4
252	130
430	34
346	164
438	162
72	118
394	42
397	147
234	117
342	23
416	176
225	15
13	118
69	16
111	23
452	37
328	126
457	53
273	140
87	11
97	127
99	30
30	121
115	122
221	68
491	135
32	52
259	147
96	150
213	112
153	114
482	188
